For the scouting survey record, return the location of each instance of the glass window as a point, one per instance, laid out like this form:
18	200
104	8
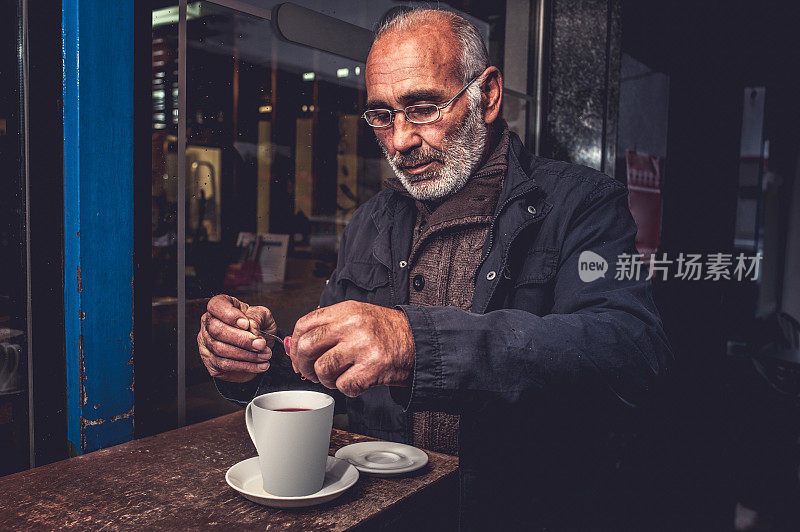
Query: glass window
156	367
277	161
13	276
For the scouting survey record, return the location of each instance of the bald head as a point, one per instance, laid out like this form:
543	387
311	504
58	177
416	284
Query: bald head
403	61
459	36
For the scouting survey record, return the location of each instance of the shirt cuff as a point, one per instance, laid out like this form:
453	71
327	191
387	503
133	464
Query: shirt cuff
426	380
239	392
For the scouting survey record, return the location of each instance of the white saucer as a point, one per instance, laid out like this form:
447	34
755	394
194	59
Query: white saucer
383	458
245	477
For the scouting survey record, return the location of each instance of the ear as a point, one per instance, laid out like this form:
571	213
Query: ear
491	94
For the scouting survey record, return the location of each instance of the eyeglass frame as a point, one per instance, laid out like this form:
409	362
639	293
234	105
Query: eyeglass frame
439	108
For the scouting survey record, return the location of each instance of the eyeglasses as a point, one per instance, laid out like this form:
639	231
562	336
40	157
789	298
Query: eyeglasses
421	113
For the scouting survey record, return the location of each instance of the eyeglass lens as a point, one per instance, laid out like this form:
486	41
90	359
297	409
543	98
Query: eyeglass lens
417	114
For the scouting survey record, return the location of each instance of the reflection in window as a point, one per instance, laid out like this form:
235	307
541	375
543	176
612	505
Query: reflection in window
277	161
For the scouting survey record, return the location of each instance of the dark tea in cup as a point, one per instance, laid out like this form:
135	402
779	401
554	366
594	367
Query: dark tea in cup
292	448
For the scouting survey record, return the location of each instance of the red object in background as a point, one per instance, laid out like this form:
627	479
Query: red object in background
242	274
644	199
247	271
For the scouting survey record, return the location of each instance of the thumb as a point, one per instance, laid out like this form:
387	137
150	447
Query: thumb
287	346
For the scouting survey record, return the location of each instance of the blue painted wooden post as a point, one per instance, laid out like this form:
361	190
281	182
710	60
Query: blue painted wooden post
97	38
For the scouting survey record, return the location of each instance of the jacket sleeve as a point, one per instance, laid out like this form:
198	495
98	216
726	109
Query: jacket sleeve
603	340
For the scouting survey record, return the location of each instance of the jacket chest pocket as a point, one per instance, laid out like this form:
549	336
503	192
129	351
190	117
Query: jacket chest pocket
532	289
365	281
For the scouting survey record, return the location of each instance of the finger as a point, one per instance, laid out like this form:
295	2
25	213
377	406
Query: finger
226	334
224	367
226	350
321	316
228	365
207	358
306	349
330	365
354	381
316	341
229	310
261	318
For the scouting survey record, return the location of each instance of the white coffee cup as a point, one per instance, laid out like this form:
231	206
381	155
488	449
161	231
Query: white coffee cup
292	445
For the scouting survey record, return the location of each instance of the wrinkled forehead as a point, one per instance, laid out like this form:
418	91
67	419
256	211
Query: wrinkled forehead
410	60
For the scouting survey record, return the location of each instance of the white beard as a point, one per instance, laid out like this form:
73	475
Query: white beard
458	161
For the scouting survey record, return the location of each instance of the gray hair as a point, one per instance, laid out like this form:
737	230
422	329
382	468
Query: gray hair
474	57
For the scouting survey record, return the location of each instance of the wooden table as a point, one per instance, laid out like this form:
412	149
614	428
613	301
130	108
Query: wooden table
176	480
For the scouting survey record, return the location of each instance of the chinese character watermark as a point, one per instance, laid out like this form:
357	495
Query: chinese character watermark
629	267
686	267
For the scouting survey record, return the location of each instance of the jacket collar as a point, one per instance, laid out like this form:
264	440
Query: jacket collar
519	177
391	205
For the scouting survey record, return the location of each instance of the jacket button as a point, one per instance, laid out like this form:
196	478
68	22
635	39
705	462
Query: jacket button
491	275
531	209
403	264
418	282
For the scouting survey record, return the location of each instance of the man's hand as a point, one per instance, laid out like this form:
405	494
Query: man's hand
353	346
228	347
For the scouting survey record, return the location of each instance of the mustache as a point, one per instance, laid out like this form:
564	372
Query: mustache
417	157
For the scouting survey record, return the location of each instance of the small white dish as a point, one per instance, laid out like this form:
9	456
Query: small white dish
245	477
383	458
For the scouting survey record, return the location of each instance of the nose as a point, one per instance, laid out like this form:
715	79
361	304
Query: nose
405	135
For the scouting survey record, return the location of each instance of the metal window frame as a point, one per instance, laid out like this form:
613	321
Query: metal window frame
243	7
22	40
181	279
40	54
536	82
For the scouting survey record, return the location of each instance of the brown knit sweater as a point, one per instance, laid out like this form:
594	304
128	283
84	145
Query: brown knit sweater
445	253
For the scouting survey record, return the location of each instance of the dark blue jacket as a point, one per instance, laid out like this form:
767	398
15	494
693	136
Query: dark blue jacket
543	360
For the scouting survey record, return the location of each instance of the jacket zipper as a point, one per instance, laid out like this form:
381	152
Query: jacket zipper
409	428
491	233
391	285
392	259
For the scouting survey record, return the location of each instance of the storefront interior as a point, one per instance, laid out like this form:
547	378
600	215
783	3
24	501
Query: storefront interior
249	157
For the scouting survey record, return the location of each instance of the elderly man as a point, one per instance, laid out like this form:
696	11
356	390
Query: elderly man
456	318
